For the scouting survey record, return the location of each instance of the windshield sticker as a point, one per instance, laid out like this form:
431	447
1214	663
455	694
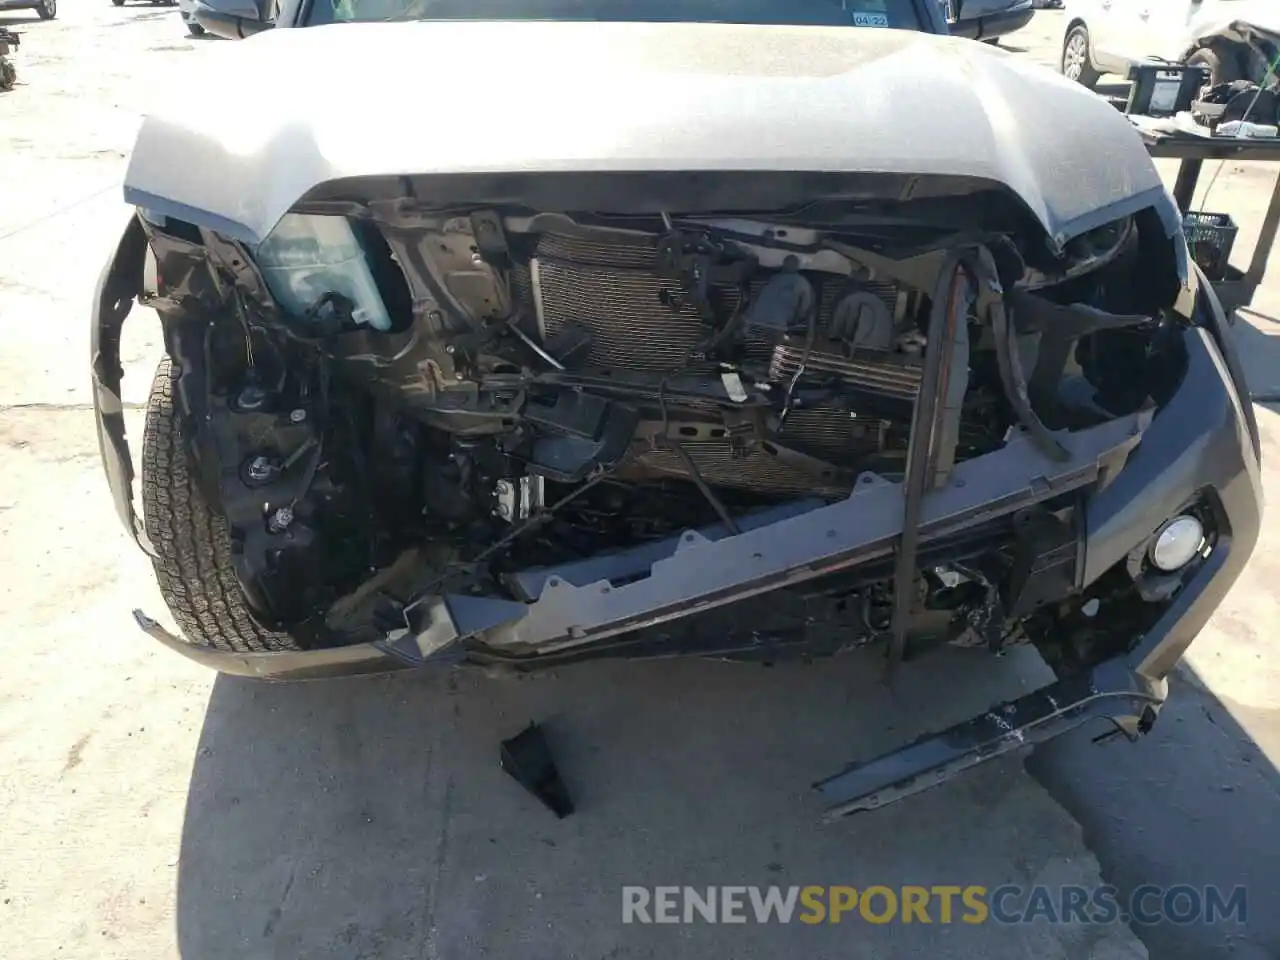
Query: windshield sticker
863	18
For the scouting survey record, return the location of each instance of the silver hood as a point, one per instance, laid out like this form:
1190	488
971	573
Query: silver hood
266	120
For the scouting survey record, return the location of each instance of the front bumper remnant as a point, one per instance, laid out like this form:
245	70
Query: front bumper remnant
578	605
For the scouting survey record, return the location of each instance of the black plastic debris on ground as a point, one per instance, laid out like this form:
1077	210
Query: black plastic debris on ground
527	758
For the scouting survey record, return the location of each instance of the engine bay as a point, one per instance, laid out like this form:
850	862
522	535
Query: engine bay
536	389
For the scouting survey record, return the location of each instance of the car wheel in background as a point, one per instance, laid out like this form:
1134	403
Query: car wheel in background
1220	60
47	9
117	3
1076	64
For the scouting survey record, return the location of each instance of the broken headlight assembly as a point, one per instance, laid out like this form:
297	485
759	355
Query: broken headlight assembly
310	261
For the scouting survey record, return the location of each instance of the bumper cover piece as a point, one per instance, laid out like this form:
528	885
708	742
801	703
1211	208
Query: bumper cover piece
118	285
527	758
1110	691
354	660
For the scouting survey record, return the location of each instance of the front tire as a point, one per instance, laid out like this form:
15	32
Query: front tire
1077	59
47	9
117	3
193	563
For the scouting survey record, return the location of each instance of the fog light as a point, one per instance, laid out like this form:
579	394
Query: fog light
1176	543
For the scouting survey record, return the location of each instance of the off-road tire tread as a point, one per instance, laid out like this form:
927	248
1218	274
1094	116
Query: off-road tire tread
193	565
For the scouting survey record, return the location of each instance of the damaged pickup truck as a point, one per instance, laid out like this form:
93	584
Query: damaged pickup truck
734	340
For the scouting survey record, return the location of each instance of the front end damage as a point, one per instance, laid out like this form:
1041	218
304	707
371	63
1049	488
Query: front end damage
544	420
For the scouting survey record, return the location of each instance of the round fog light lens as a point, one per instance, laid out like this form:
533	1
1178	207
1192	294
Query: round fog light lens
1176	543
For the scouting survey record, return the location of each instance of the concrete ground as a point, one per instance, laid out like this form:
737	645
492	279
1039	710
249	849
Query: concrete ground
149	809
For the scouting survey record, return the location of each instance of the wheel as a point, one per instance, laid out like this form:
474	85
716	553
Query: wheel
193	566
47	9
1076	64
8	75
1220	60
117	3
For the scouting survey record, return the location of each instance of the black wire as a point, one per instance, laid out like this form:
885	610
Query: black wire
711	346
696	476
810	336
694	473
321	424
1014	381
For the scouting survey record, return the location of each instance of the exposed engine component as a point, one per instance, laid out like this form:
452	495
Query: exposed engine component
862	320
675	307
894	375
549	397
783	305
519	499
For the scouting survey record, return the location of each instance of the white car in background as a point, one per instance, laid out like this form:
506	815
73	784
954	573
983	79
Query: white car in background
1234	39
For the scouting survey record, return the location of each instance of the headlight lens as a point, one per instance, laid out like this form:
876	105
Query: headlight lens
307	257
1176	543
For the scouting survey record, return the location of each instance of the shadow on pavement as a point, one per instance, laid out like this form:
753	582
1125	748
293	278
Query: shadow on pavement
369	818
1195	802
158	14
1258	336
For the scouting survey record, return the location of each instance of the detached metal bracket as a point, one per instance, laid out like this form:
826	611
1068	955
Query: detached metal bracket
944	373
527	758
1111	691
